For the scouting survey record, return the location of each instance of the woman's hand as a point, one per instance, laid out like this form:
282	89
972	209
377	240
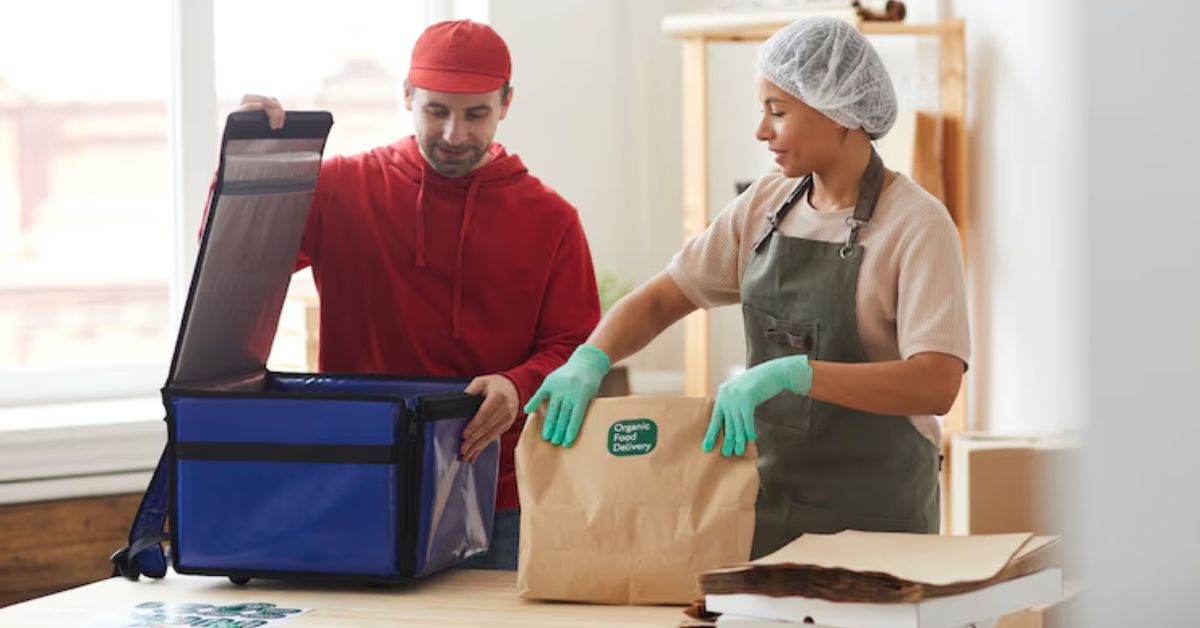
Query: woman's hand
739	397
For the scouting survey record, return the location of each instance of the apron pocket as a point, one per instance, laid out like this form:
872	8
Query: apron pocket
787	411
770	338
782	338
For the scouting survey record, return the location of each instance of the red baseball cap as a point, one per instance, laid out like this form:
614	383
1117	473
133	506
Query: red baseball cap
460	56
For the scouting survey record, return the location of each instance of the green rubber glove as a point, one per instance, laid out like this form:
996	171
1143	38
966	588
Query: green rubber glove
567	392
739	397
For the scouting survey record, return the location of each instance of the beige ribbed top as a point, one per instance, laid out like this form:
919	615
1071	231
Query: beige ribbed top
911	294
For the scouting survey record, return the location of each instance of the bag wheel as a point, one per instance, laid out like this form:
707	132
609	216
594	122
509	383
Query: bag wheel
239	580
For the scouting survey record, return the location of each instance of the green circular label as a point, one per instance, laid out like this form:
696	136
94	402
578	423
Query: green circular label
632	437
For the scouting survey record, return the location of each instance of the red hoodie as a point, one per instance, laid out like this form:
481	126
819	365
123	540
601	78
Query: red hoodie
422	274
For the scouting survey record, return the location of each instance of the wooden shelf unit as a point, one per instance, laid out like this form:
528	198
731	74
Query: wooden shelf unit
696	31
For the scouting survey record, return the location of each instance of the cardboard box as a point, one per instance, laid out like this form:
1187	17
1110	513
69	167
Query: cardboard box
1003	484
1059	615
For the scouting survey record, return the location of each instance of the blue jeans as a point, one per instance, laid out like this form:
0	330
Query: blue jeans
506	538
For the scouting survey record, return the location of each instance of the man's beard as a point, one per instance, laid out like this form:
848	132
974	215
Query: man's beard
461	165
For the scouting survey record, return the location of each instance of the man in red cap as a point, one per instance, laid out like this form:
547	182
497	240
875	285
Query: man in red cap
441	255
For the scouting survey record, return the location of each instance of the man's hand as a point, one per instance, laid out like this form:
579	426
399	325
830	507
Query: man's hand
274	110
494	417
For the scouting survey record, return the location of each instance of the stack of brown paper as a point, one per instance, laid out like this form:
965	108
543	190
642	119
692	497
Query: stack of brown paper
883	567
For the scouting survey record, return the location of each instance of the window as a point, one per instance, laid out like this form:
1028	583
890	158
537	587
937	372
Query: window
88	243
105	158
85	210
350	58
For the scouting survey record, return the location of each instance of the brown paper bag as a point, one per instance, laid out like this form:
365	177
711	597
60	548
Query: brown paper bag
635	510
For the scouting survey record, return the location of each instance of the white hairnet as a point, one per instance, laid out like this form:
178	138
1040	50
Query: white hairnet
831	67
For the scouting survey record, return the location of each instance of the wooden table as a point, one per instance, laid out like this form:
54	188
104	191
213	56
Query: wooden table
455	598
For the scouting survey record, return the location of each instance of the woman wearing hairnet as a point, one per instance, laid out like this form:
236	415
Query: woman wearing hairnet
851	285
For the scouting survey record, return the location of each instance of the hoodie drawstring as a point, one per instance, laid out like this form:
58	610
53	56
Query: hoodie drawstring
468	209
404	161
421	221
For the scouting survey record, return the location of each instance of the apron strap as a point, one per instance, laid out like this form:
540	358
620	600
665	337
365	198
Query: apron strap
777	216
869	189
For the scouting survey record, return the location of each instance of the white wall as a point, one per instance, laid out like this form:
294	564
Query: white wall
1025	244
1028	215
597	115
1142	305
567	120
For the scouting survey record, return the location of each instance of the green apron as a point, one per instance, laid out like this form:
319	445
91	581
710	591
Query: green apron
826	468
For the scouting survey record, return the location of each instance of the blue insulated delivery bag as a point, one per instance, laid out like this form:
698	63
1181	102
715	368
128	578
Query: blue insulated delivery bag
289	475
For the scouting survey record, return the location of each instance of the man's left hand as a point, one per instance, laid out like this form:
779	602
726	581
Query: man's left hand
495	416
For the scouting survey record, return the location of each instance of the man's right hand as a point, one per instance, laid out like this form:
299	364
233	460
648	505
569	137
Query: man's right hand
274	110
567	393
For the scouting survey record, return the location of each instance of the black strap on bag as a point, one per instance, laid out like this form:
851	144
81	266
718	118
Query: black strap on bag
143	555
